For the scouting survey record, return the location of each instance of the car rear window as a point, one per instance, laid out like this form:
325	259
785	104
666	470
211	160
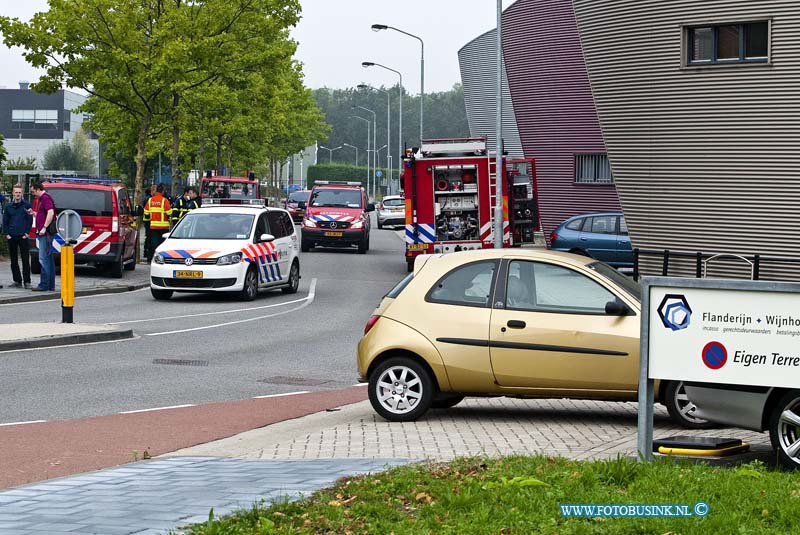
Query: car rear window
575	225
298	196
87	202
393	202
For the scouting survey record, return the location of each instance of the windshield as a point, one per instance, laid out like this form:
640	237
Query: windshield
212	226
217	189
87	202
624	282
339	198
393	202
298	196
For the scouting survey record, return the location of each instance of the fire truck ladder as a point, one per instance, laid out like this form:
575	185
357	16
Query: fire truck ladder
492	161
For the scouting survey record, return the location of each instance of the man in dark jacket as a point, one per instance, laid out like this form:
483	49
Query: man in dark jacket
17	223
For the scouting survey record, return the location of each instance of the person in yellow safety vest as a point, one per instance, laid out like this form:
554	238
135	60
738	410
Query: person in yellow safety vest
182	206
157	212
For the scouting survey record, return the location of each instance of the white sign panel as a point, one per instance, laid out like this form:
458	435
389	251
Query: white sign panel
733	336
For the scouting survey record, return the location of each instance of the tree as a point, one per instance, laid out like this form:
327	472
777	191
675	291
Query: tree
3	153
73	156
22	164
141	56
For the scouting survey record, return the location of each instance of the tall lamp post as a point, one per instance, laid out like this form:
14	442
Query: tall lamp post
330	152
400	128
352	147
379	27
374	144
366	121
388	126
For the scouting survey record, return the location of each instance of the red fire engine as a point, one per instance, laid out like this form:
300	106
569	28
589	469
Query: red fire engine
449	189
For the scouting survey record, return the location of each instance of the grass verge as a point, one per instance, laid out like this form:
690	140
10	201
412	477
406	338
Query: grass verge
521	495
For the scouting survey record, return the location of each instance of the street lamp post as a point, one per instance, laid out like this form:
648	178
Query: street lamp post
379	27
330	152
388	125
366	121
374	144
400	128
352	147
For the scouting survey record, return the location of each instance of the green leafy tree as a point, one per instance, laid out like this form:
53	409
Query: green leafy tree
74	156
3	153
22	164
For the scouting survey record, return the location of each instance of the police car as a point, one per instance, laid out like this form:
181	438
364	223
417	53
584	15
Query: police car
228	248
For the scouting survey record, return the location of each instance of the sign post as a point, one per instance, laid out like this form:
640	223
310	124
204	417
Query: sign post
69	226
725	331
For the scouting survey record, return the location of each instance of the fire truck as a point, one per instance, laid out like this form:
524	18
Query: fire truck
229	189
449	187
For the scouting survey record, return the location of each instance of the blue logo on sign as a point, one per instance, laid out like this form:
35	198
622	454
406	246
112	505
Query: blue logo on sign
675	312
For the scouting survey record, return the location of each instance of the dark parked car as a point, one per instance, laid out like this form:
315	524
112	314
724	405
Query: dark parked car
292	201
603	236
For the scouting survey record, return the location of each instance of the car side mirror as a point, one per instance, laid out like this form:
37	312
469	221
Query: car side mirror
301	205
370	207
138	211
266	238
617	308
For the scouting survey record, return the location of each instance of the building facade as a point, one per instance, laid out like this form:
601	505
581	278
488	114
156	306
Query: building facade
698	103
555	110
32	122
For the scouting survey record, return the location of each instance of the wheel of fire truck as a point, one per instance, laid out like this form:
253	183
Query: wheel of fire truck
294	279
160	295
305	246
410	264
36	268
115	268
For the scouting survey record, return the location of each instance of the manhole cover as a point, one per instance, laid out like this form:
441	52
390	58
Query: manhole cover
181	362
296	381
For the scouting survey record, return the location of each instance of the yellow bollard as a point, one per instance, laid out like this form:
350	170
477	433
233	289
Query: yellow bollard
67	282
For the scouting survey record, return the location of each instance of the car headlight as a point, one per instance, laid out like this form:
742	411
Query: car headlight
228	259
309	223
358	224
158	259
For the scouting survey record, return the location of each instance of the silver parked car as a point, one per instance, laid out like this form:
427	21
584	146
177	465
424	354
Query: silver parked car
776	410
392	211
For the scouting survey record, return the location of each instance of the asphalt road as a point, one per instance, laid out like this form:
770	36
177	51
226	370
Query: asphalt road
275	344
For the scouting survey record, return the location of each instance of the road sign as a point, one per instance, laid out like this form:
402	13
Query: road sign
715	355
69	225
378	173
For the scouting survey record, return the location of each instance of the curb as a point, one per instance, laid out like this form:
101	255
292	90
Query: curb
66	340
78	293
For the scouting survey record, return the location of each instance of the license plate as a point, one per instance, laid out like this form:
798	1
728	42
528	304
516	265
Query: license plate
334	234
187	274
84	230
398	209
417	246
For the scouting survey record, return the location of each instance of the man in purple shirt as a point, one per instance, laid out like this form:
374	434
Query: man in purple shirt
45	214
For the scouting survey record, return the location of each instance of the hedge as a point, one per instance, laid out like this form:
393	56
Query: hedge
342	172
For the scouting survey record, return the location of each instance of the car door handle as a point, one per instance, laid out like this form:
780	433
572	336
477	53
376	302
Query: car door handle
516	324
584	239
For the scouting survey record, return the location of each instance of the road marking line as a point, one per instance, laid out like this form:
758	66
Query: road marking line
159	409
199	314
308	300
23	423
281	395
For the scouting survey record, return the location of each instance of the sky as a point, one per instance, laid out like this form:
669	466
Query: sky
334	37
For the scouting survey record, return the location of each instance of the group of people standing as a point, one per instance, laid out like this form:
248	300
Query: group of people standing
160	215
18	218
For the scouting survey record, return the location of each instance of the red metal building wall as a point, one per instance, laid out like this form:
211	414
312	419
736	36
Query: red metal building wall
554	106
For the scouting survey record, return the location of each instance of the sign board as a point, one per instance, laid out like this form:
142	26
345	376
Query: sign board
715	331
378	173
69	225
714	334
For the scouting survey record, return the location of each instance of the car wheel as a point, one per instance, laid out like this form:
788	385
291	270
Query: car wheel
680	407
249	289
294	279
36	267
304	246
784	429
161	295
380	225
115	269
445	400
400	389
131	265
363	245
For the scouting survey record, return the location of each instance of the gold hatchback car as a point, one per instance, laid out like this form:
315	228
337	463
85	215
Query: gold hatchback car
509	322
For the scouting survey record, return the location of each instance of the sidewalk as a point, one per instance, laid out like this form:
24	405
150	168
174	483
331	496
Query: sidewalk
88	281
296	457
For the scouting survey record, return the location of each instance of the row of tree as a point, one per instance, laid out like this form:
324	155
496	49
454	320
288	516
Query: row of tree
445	116
204	80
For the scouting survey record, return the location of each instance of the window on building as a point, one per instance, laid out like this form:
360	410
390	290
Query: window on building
592	169
22	119
728	43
